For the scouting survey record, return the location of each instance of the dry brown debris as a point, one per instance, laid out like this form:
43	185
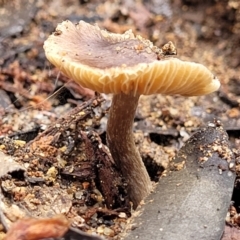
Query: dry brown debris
68	171
35	229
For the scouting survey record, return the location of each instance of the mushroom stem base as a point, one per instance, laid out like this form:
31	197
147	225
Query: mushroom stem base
121	143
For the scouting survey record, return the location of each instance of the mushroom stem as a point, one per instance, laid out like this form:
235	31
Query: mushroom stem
121	143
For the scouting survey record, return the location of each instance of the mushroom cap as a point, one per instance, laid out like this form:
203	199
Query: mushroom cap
114	63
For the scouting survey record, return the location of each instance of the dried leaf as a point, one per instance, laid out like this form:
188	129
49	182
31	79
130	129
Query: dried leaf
8	165
34	229
231	233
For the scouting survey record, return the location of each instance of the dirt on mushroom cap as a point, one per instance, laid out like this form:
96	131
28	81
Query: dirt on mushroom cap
115	63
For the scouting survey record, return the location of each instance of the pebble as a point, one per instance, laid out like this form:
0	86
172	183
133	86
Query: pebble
108	232
122	215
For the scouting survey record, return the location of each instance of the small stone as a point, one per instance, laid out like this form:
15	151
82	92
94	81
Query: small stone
79	195
122	215
89	122
108	232
100	229
211	125
231	165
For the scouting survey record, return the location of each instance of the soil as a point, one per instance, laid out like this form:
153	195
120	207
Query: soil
53	131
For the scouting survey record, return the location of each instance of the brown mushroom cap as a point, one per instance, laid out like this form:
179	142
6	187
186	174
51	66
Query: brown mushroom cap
114	63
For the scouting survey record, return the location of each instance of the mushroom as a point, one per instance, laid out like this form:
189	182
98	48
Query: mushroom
127	66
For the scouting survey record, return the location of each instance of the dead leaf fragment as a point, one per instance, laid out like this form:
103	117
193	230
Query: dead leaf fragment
231	233
8	165
35	229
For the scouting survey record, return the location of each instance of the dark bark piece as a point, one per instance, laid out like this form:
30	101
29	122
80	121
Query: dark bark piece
80	113
87	158
192	203
78	169
24	135
111	183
